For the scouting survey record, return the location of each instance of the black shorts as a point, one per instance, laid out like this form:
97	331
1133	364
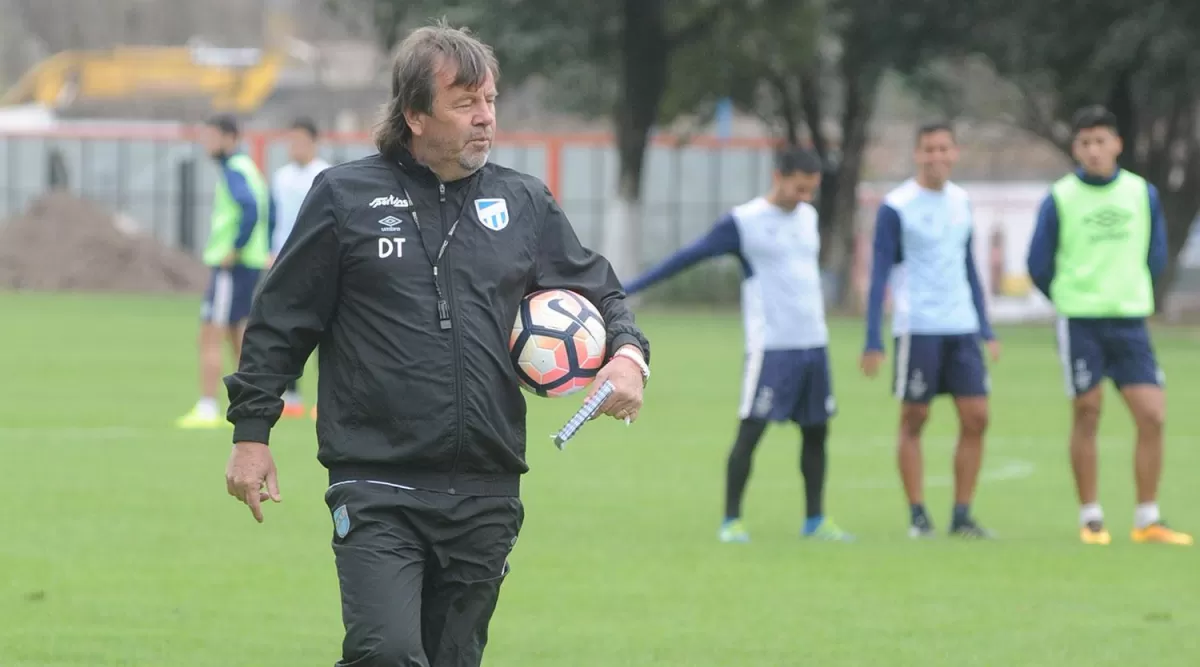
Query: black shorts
1090	350
788	385
229	295
419	572
928	365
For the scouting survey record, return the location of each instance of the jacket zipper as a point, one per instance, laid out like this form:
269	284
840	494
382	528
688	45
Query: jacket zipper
455	332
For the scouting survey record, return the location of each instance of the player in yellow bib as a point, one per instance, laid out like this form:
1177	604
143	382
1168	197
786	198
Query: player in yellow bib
1099	244
237	251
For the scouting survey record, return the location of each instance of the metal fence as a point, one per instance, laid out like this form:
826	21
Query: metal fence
163	181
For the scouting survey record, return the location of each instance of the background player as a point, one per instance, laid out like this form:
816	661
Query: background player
1099	243
289	187
924	230
237	250
787	369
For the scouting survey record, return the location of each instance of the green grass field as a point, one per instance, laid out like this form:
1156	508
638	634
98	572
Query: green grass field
120	546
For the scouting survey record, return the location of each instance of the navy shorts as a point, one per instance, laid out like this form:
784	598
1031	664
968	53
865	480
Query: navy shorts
783	385
926	365
1090	350
229	295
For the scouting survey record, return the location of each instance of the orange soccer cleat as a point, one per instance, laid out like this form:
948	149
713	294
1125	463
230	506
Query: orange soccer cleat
1159	533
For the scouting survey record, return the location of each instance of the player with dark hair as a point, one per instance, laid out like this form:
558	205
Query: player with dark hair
923	239
776	240
289	187
1099	245
237	251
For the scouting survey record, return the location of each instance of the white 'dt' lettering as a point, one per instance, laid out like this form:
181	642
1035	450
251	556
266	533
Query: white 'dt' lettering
389	247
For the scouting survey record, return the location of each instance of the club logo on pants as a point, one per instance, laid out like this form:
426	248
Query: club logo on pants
916	384
1083	376
341	521
764	401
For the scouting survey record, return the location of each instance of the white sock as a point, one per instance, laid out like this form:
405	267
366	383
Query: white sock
207	406
1146	514
291	398
1089	513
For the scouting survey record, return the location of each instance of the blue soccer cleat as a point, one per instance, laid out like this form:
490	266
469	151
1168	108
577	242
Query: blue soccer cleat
732	531
824	529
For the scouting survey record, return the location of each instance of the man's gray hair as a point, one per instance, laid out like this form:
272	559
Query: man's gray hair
414	76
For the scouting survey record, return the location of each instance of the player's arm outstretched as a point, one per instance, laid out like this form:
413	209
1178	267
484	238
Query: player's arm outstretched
886	254
722	239
985	325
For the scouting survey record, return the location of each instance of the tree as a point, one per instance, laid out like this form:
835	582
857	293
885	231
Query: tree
604	60
814	71
1137	58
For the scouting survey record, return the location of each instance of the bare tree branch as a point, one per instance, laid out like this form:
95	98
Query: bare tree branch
1035	120
700	24
787	106
1159	161
1181	154
810	97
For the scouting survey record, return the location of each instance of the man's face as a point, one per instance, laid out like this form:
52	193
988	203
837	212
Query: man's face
301	146
463	123
794	188
1097	148
935	156
215	142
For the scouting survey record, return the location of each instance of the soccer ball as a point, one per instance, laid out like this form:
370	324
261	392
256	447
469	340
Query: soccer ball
557	343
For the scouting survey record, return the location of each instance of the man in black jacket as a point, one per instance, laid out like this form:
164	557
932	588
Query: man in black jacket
407	269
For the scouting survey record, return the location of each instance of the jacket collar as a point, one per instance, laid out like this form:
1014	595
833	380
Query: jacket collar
404	157
409	164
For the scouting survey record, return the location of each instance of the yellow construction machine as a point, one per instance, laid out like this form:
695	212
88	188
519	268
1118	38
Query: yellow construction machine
233	79
236	80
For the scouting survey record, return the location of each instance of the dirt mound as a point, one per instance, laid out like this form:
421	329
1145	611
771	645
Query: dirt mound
65	243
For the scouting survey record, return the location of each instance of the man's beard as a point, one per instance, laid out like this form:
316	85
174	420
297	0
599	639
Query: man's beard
473	161
445	151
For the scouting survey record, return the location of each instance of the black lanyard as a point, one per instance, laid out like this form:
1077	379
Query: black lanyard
443	306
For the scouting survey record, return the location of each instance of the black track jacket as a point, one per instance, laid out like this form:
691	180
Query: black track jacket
402	399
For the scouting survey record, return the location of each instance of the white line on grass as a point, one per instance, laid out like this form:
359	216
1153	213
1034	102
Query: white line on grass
75	432
853	447
1009	470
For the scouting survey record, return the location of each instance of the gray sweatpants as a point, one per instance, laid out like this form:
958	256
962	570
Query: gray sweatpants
419	572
